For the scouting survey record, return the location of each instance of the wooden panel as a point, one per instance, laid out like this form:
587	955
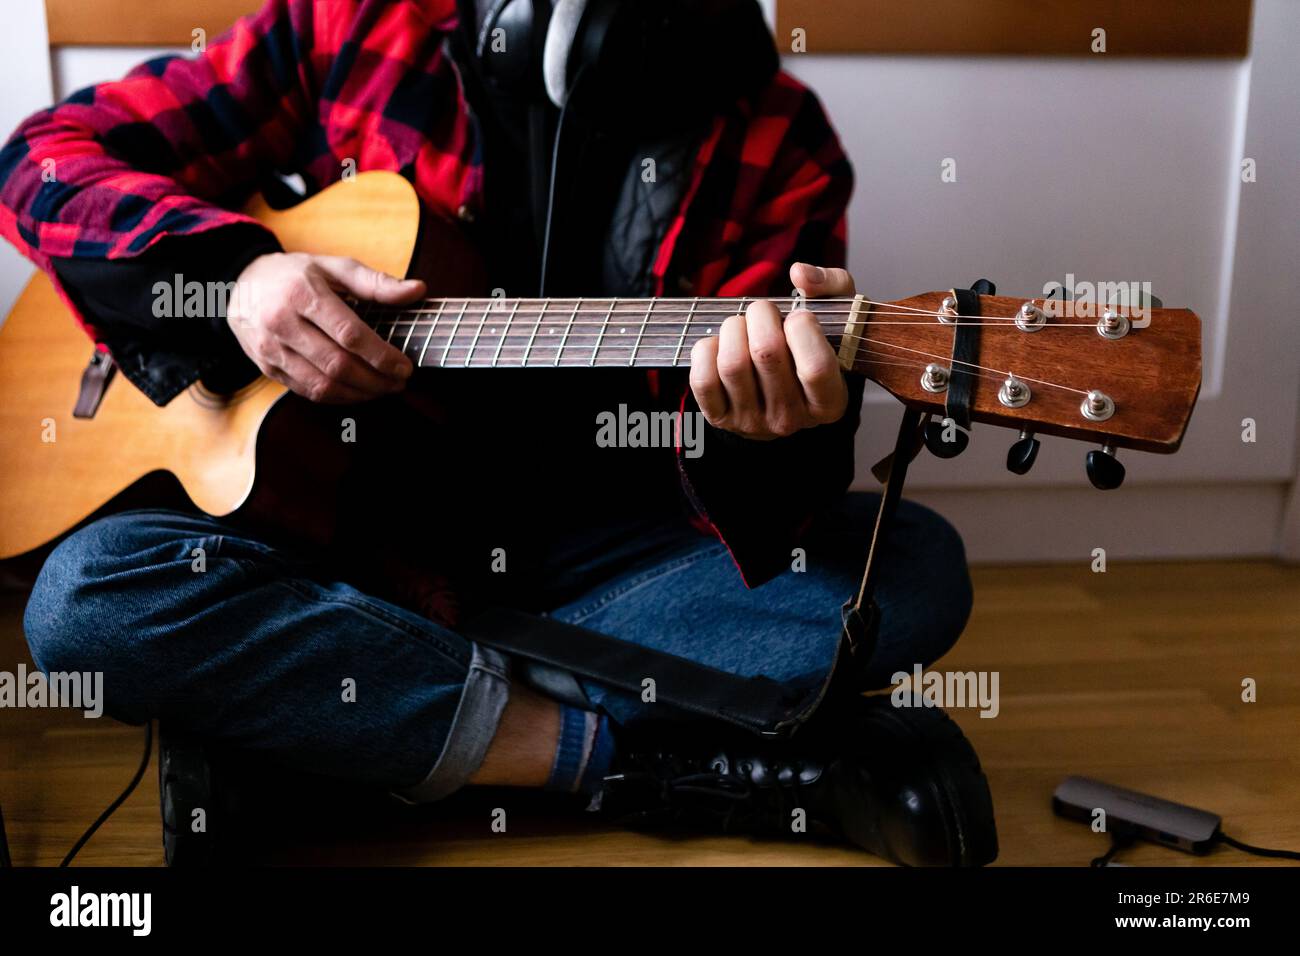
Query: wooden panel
140	22
1047	27
1060	27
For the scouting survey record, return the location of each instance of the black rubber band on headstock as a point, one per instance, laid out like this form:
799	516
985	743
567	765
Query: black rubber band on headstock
965	354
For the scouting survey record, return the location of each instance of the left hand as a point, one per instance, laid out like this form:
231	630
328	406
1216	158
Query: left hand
763	378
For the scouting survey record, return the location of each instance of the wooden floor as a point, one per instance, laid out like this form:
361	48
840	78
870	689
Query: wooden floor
1133	676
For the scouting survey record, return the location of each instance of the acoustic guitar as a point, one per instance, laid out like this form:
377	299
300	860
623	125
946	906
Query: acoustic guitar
1118	380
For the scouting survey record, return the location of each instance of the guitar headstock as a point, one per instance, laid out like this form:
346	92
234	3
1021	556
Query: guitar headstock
1114	375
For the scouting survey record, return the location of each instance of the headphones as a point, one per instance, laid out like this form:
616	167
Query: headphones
507	42
653	61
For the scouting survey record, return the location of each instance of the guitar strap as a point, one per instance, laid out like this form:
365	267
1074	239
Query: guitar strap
94	383
758	704
860	614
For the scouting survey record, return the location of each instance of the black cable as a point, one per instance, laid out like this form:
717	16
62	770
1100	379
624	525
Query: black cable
1117	842
122	797
1121	842
550	197
1258	850
550	201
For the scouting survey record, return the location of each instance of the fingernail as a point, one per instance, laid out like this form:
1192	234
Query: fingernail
818	273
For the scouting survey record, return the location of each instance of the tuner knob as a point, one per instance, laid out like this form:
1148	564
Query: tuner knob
1022	454
942	442
1104	470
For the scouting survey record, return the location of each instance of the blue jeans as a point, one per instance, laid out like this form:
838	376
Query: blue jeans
270	652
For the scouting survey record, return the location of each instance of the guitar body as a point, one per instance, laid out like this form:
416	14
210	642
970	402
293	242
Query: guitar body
261	450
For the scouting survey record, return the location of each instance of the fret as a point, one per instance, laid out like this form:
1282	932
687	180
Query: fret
441	304
505	332
392	327
640	335
601	334
452	338
477	332
741	311
540	317
409	332
567	329
685	325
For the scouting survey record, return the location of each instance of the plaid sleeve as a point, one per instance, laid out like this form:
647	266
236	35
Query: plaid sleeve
771	188
114	168
785	182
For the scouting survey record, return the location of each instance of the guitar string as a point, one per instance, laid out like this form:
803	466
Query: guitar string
595	359
636	307
541	308
540	317
502	345
998	377
398	315
865	339
668	324
992	375
649	302
580	363
973	365
546	304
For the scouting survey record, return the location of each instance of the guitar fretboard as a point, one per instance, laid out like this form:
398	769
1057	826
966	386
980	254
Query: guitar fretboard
504	333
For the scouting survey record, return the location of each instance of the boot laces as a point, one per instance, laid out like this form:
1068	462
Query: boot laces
736	792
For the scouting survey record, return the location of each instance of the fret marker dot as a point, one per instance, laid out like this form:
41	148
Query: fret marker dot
708	331
622	331
492	331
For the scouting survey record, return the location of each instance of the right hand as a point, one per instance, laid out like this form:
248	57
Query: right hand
289	319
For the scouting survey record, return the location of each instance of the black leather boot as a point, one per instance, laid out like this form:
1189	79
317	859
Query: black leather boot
903	784
185	785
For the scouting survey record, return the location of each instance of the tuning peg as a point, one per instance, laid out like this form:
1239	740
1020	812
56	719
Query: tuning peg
1104	470
1021	455
942	442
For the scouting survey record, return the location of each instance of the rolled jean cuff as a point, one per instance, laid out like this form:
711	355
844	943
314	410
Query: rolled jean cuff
487	688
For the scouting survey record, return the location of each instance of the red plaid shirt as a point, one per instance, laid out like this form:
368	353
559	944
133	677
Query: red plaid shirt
320	86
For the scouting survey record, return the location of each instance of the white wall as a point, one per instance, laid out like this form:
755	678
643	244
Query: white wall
33	78
77	67
1110	169
25	78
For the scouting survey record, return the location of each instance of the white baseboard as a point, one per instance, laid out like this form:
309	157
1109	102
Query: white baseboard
1151	522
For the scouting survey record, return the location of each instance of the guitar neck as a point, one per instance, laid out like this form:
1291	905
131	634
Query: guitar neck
525	333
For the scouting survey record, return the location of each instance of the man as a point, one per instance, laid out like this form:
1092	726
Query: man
749	185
